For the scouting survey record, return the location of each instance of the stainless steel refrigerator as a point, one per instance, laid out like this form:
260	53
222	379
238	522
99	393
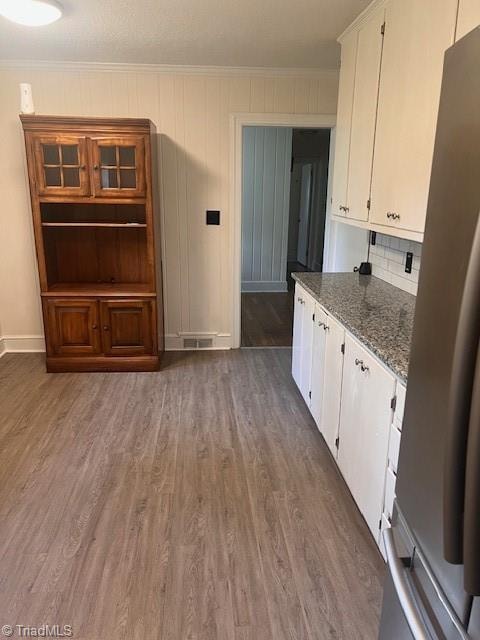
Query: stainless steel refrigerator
433	583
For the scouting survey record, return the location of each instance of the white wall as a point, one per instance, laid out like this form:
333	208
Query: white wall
191	109
267	153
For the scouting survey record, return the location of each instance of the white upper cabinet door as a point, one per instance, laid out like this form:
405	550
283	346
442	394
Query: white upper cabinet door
365	421
307	345
416	37
335	337
344	123
297	335
468	17
318	365
369	54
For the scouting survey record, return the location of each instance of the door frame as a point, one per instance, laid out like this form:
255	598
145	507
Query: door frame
237	122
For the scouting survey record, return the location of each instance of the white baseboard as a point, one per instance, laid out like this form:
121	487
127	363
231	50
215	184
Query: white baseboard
22	344
266	287
220	341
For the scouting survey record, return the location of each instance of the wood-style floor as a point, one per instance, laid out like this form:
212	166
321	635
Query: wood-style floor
267	319
199	502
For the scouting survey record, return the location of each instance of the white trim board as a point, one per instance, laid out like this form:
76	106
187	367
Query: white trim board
237	122
262	285
127	67
22	344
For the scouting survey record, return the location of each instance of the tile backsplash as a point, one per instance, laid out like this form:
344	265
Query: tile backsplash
388	256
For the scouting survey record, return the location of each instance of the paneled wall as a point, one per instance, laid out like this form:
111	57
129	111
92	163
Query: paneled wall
267	153
191	109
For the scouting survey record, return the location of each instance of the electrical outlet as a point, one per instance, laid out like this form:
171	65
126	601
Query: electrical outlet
408	262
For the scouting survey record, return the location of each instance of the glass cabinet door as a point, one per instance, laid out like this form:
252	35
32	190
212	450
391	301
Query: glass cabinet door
61	165
119	166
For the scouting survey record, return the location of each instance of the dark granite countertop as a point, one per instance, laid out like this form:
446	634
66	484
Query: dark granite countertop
377	313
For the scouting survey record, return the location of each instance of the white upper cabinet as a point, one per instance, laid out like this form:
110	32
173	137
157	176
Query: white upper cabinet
416	37
369	54
344	123
468	17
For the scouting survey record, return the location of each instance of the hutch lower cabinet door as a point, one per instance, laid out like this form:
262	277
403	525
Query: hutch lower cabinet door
127	327
72	327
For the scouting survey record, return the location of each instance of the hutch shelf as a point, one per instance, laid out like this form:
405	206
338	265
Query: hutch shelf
96	226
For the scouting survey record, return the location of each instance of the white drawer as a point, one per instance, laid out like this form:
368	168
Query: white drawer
400	406
394	447
390	481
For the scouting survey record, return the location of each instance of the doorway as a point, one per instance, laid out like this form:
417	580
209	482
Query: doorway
284	202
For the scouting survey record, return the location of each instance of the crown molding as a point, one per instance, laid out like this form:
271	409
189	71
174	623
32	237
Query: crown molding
361	18
120	67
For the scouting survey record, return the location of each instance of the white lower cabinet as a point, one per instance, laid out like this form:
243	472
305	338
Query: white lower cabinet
332	386
318	365
357	404
326	378
302	341
365	419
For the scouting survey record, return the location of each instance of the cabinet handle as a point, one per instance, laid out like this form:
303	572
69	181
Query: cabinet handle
106	327
346	209
341	207
320	324
299	300
391	215
95	166
358	362
326	327
365	367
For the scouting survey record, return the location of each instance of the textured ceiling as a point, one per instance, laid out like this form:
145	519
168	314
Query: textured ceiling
254	33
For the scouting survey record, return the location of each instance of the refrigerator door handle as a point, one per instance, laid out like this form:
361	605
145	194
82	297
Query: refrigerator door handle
398	572
471	535
463	368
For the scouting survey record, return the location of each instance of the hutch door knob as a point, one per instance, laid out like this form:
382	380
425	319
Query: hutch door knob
106	327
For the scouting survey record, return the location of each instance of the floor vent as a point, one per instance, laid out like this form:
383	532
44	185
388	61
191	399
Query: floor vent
197	343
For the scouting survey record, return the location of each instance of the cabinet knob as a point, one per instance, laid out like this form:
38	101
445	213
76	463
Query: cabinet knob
95	166
94	326
326	327
106	327
365	367
82	167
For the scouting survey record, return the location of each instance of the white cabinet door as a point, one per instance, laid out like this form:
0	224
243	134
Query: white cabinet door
416	36
307	345
335	337
369	54
468	17
318	365
297	335
344	122
365	421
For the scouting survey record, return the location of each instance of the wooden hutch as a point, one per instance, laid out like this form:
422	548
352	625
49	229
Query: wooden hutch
94	210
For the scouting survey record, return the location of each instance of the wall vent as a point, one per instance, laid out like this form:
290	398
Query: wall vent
197	343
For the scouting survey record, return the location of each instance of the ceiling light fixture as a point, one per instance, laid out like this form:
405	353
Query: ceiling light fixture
32	13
